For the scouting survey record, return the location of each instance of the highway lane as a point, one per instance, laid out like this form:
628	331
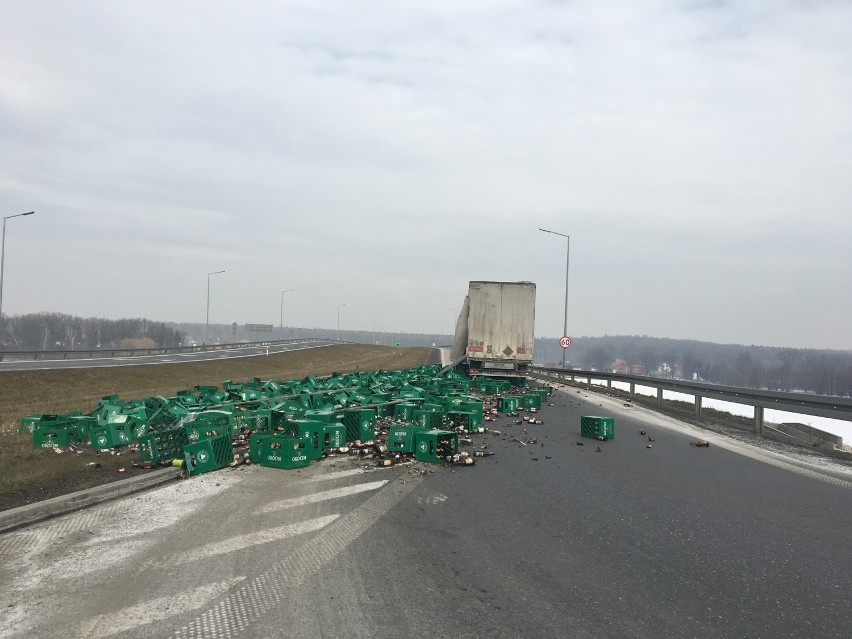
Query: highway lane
203	356
538	541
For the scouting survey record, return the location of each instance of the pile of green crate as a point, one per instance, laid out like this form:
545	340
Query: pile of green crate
301	417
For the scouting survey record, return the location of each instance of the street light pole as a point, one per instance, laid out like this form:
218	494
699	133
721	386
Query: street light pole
207	323
338	317
2	260
567	262
281	326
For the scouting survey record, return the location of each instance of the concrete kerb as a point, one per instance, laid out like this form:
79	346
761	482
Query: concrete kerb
40	511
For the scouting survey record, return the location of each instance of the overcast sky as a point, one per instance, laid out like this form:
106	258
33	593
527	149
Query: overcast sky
382	154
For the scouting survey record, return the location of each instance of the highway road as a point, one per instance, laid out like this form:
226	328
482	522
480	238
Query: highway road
174	358
547	539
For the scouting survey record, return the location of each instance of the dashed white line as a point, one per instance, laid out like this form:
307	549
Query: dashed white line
326	495
153	610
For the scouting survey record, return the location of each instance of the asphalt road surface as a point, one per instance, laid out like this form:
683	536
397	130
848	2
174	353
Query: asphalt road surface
174	358
547	539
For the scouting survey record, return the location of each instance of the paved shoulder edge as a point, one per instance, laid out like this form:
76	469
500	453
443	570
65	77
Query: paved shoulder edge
39	511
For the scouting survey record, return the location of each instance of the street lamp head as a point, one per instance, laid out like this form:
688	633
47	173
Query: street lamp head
553	232
28	213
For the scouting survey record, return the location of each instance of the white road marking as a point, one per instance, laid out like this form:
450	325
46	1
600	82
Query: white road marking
325	495
242	542
433	499
154	610
337	475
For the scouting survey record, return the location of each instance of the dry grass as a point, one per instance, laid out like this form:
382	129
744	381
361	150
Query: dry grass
28	474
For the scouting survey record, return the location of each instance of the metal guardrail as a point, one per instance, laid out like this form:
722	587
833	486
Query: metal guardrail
802	403
6	356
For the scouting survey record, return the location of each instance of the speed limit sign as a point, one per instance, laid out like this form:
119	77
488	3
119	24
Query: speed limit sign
565	342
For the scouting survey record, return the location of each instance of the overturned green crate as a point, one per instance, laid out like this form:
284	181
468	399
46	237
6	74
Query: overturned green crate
112	435
53	436
163	445
334	435
31	422
508	404
401	438
435	445
208	454
404	411
311	432
594	426
360	424
280	451
427	419
209	424
531	400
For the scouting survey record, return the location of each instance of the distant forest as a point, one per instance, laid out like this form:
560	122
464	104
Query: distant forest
55	331
825	372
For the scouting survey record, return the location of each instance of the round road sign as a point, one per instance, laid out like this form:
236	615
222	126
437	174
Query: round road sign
565	342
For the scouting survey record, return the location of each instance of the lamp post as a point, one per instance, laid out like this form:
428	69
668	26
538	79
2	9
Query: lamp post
338	316
567	257
281	325
207	323
2	259
375	339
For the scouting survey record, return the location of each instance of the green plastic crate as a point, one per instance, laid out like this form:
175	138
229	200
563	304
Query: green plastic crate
112	435
208	454
531	400
310	431
163	445
280	451
435	445
428	420
334	435
360	424
508	404
593	426
51	436
401	438
404	411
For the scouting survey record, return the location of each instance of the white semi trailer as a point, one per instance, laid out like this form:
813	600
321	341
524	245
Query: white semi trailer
495	330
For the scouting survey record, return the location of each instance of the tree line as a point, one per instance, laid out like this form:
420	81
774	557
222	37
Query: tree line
57	331
825	372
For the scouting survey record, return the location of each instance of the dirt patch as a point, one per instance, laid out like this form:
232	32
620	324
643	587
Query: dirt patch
30	475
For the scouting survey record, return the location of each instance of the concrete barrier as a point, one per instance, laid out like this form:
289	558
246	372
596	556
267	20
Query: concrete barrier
39	511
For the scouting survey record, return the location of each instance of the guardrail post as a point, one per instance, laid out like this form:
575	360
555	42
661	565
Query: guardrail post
609	384
659	397
632	389
698	399
758	420
589	383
